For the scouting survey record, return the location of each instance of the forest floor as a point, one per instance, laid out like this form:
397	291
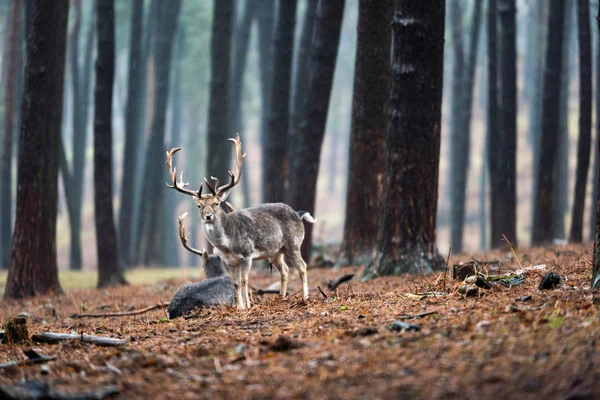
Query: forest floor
489	345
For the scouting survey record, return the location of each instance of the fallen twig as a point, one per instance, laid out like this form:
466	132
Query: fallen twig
513	250
32	358
44	390
446	269
122	313
323	293
52	337
418	316
338	281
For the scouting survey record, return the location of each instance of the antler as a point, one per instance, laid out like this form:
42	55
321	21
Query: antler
237	168
179	186
184	238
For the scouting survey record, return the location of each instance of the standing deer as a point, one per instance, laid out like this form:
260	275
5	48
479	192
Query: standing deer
272	231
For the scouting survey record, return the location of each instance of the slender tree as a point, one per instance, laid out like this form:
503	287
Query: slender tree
275	146
265	19
542	225
406	240
33	269
109	273
151	230
132	128
367	132
307	148
460	142
596	256
585	118
508	122
241	44
13	64
596	150
219	149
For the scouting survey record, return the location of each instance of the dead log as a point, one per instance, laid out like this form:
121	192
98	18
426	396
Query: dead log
122	313
52	337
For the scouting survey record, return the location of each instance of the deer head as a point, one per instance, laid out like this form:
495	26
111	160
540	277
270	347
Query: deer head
209	204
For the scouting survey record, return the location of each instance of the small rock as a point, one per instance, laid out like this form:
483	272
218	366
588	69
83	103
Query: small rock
524	298
44	369
468	290
398	326
284	343
549	281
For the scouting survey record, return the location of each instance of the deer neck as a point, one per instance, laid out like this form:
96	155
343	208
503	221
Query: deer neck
214	230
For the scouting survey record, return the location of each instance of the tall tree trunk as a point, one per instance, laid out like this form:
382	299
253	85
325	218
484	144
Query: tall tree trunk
240	55
151	230
493	138
132	128
542	226
265	18
560	202
300	82
109	272
171	240
276	162
79	136
219	149
406	241
367	133
13	65
33	270
596	256
307	148
596	149
460	142
508	122
585	118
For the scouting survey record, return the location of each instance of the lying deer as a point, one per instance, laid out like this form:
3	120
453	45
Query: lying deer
272	231
216	289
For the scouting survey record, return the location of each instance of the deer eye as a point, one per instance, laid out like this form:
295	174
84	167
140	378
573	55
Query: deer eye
217	203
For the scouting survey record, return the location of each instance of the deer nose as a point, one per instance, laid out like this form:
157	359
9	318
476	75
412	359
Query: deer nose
208	217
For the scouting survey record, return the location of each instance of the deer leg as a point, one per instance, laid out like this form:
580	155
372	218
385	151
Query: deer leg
245	273
237	281
295	258
283	269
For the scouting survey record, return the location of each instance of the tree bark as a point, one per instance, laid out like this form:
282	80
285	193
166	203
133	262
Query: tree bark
219	149
12	65
241	44
265	14
542	226
585	118
596	149
275	153
109	272
596	256
368	131
151	231
307	148
132	128
462	103
508	123
407	237
33	269
300	82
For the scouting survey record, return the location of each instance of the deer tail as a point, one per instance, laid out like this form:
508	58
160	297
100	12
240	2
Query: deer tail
305	215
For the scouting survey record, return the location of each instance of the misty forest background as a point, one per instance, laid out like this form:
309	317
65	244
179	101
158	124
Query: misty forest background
464	201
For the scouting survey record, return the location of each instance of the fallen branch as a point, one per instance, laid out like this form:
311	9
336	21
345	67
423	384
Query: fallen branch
323	293
51	337
418	316
260	292
122	313
43	390
32	358
337	282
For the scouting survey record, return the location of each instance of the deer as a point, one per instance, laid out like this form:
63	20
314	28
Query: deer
271	231
217	289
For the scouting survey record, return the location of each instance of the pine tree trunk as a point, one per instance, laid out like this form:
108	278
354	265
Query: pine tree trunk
307	148
241	44
150	231
542	226
508	123
12	65
132	128
109	272
33	270
461	140
275	153
219	149
596	150
300	82
406	240
596	255
367	135
265	14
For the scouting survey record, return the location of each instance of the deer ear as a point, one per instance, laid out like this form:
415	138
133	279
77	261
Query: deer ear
223	196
